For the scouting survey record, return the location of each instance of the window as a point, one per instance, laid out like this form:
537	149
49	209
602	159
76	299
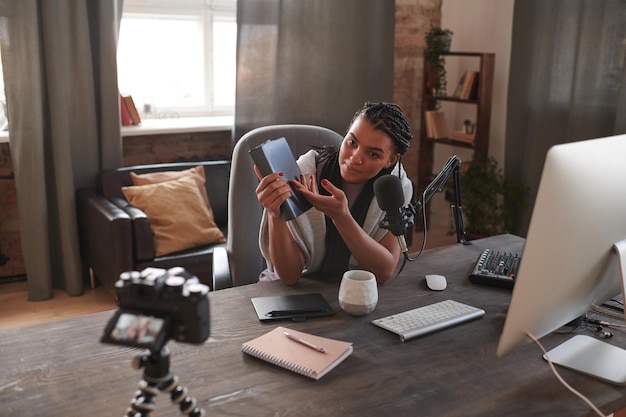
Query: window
177	57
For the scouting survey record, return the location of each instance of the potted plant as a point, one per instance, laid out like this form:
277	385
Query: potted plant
468	127
491	204
437	44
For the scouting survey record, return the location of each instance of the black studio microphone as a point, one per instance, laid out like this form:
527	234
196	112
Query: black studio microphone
390	199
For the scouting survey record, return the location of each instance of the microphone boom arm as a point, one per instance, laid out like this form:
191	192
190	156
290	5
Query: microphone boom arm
451	168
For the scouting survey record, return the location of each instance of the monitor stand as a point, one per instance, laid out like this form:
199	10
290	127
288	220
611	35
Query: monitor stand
592	356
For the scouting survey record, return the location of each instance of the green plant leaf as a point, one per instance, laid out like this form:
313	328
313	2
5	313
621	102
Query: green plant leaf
491	204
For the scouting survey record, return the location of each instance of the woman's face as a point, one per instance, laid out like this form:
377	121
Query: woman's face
364	152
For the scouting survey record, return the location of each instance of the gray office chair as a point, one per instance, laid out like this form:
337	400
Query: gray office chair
241	262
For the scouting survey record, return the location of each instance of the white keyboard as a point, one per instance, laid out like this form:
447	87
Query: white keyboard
427	319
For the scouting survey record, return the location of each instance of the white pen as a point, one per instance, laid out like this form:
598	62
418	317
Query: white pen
304	342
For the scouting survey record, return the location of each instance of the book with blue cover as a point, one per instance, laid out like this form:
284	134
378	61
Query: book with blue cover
275	155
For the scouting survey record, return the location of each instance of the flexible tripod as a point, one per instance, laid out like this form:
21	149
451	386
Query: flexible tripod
158	377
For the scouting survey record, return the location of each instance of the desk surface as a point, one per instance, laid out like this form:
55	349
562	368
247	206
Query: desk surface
61	369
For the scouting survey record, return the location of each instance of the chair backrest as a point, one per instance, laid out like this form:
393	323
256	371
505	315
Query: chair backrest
244	209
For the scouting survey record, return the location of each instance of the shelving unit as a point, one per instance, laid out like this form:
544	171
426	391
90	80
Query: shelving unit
481	102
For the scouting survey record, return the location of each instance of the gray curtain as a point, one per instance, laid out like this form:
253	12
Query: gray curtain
566	81
60	70
311	62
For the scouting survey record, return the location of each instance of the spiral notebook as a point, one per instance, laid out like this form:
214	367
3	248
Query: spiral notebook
276	348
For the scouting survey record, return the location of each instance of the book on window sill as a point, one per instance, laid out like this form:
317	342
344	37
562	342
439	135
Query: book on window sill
275	155
125	117
463	137
132	109
276	348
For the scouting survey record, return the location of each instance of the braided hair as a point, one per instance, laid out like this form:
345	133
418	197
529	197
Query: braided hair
388	118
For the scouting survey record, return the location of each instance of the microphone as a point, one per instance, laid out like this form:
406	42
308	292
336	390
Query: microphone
390	199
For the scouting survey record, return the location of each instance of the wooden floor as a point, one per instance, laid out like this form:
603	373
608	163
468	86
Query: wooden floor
17	311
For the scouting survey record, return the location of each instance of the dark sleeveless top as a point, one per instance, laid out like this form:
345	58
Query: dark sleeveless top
337	255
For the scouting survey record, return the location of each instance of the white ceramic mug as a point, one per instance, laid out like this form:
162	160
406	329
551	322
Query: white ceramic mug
358	292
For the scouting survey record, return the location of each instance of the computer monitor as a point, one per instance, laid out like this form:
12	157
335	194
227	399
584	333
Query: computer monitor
569	260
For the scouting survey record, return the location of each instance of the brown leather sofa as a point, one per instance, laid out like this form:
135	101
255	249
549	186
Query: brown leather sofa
116	237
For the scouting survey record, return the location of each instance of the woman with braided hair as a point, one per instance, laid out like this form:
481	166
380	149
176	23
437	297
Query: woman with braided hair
342	229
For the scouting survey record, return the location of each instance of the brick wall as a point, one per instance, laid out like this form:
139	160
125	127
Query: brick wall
413	20
200	146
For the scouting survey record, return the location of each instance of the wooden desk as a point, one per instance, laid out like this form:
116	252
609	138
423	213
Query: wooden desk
61	369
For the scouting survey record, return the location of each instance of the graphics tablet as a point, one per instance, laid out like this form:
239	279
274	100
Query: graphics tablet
295	307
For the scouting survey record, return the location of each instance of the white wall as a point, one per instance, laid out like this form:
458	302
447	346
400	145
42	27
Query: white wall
477	26
484	26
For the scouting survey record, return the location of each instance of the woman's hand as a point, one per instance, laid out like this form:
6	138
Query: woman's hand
381	257
284	253
272	192
334	206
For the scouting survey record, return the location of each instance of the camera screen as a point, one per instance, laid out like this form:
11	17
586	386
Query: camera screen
136	329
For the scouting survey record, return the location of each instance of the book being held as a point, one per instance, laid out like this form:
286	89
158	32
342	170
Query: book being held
306	354
275	156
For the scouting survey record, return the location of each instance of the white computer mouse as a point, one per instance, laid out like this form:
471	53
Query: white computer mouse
436	282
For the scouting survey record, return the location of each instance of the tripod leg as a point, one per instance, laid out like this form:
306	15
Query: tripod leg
156	370
158	377
143	403
178	395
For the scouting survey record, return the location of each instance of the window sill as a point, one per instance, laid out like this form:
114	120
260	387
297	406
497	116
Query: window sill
181	125
164	126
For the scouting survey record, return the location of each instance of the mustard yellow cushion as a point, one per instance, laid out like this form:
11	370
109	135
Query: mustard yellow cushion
197	173
179	217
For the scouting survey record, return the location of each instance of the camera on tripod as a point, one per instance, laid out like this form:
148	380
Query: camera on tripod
156	305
